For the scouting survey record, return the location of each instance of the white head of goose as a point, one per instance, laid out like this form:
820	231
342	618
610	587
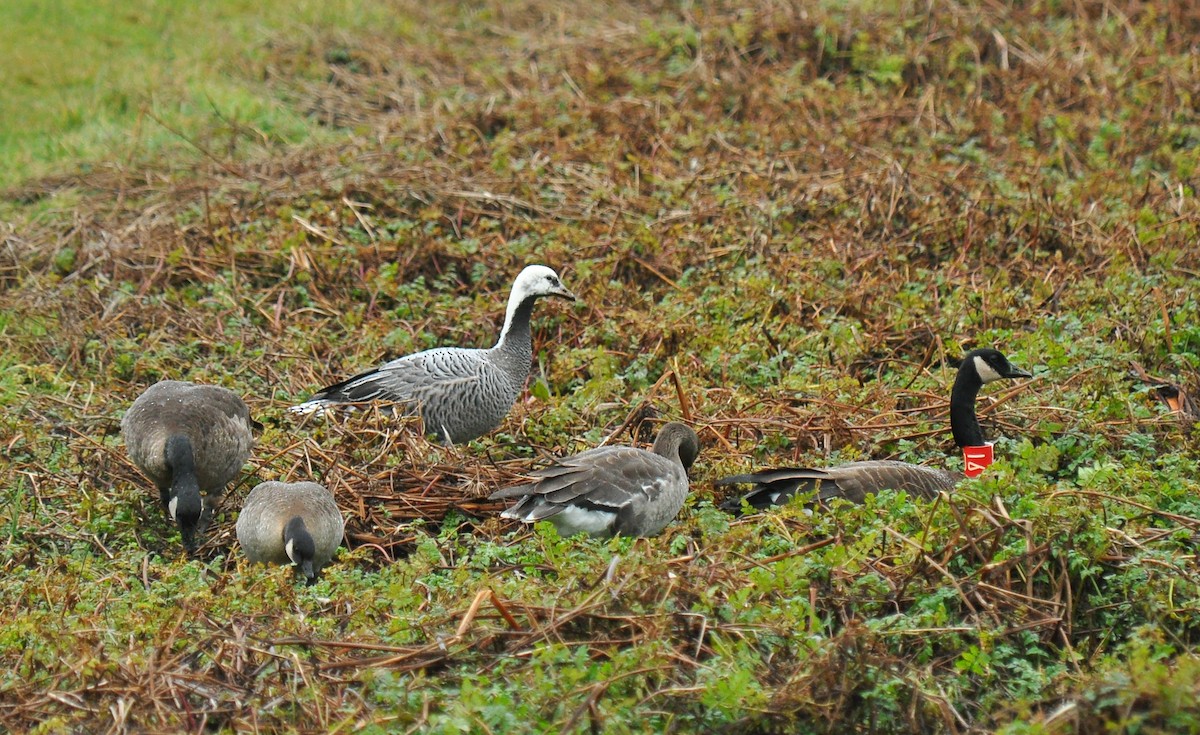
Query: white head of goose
290	523
611	490
856	480
460	393
191	441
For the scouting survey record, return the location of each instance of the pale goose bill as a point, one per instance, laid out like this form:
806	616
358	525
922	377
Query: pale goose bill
291	523
611	490
460	393
854	481
191	441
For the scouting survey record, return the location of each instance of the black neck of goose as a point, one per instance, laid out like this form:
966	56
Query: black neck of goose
179	455
185	486
300	547
184	505
516	345
295	530
963	422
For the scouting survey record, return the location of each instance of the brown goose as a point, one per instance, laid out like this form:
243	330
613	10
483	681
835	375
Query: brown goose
290	523
611	490
461	394
856	480
191	441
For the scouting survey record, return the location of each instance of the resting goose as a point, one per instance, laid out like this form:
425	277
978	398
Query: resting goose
460	394
191	441
856	480
290	523
611	490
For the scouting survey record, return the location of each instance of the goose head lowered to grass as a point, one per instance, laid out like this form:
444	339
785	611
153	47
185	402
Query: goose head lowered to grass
611	490
460	393
290	523
191	441
856	480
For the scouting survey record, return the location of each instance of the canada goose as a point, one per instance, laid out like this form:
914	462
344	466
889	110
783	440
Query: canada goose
856	480
290	523
191	441
611	490
460	393
1180	402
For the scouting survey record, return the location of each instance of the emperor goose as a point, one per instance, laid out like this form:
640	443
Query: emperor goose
611	490
190	440
290	523
856	480
460	393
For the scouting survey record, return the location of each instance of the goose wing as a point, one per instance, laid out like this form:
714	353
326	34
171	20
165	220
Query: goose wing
597	487
612	477
853	482
408	379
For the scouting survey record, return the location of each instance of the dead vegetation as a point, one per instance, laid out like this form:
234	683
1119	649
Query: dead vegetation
783	222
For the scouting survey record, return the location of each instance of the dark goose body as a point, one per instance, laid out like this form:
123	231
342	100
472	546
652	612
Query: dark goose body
854	481
460	393
611	490
191	441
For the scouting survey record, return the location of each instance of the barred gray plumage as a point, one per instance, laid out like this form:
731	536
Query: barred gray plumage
611	490
460	393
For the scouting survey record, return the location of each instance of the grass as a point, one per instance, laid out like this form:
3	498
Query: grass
783	224
127	83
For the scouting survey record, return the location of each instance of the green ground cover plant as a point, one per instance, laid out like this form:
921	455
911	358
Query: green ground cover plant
784	221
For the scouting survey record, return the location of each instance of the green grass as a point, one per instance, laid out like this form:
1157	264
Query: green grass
783	226
120	83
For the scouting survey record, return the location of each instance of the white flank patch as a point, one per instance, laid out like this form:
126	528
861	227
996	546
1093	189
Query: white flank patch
288	549
573	519
987	373
171	506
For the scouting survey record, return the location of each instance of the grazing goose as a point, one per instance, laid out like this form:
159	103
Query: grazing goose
191	441
611	490
290	523
460	393
856	480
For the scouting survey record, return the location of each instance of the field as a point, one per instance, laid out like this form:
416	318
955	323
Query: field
785	222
